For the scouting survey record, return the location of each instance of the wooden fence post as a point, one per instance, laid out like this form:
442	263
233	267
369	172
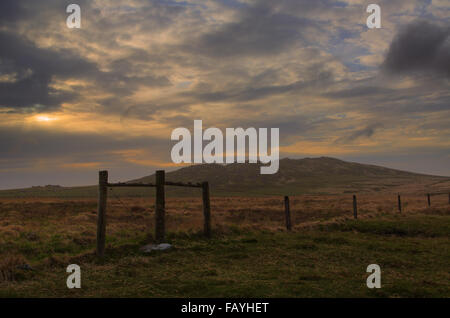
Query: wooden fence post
206	209
399	204
160	206
287	211
429	199
449	198
101	212
355	207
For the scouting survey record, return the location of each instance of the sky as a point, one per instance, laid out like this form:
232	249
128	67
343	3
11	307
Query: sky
108	95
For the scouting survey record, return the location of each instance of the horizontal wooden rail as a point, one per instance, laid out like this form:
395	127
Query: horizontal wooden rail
121	184
180	184
176	184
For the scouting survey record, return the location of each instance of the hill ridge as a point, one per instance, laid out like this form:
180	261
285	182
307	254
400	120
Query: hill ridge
322	175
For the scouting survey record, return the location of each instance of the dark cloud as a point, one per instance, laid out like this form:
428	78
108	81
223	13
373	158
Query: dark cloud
38	157
420	46
262	29
315	76
31	144
10	10
17	11
33	69
360	91
366	132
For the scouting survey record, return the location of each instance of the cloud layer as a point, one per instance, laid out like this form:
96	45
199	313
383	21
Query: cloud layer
109	95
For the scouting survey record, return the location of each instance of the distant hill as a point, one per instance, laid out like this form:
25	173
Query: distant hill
295	176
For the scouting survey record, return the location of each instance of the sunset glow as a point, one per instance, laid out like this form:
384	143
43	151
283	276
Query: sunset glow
42	118
140	69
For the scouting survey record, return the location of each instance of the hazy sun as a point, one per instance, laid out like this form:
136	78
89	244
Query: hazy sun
42	118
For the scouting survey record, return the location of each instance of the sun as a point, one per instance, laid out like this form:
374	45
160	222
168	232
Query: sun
43	118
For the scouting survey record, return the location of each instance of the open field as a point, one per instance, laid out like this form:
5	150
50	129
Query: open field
250	254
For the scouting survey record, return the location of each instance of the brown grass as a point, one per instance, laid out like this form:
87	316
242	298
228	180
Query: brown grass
37	219
9	266
52	233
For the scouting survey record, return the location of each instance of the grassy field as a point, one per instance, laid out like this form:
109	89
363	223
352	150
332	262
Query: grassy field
250	255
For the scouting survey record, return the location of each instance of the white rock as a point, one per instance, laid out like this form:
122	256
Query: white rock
156	247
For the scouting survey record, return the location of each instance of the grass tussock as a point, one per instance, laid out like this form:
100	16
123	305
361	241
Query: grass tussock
11	267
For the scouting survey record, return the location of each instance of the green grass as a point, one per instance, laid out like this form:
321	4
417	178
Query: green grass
324	261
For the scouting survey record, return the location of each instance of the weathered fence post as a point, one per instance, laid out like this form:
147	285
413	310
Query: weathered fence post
399	204
429	199
101	212
160	207
355	207
206	209
287	211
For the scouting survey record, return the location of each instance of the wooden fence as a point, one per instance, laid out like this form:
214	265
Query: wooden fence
287	210
160	209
